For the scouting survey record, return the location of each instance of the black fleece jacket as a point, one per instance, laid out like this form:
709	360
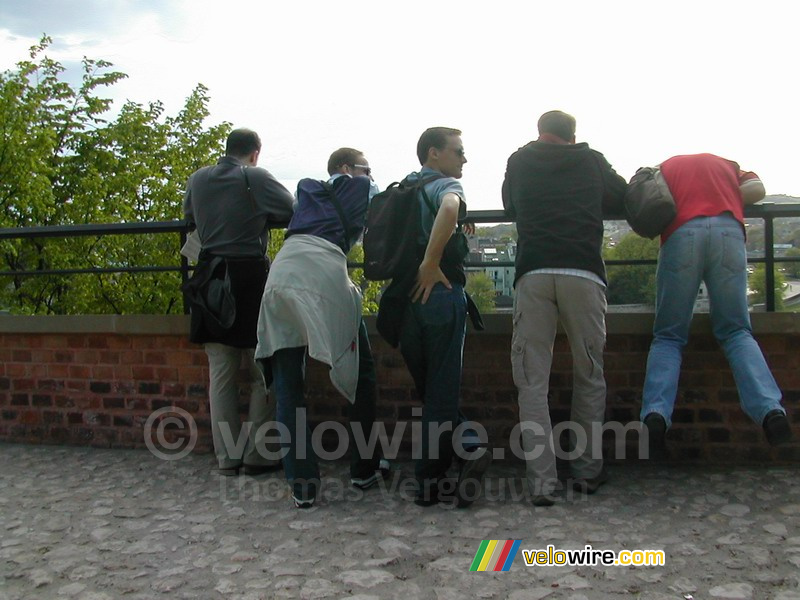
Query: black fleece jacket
558	194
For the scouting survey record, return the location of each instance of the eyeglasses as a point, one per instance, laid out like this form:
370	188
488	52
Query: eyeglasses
367	169
459	152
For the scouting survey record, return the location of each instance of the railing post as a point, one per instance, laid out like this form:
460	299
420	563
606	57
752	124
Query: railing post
769	262
184	272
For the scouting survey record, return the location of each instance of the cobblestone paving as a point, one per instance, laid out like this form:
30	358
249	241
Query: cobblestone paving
105	524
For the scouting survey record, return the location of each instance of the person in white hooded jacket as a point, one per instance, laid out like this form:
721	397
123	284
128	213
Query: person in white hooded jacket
310	307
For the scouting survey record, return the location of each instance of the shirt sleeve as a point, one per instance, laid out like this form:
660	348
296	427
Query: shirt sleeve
275	200
750	187
614	188
453	186
745	176
508	203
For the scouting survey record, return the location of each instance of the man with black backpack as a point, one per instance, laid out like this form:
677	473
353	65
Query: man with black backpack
425	310
311	308
233	204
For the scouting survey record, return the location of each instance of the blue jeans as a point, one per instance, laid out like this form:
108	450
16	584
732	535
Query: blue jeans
709	249
432	344
288	370
362	411
300	462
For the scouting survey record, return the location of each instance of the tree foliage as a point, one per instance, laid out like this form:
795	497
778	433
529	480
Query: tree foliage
757	282
370	290
792	269
481	289
632	284
64	161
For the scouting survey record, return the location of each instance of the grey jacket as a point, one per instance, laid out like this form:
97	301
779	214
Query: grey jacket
231	220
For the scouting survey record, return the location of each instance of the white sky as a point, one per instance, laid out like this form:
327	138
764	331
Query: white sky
645	80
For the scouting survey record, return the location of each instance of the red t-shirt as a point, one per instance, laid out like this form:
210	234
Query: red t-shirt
703	185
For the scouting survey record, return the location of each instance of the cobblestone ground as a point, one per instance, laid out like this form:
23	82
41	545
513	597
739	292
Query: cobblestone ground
105	524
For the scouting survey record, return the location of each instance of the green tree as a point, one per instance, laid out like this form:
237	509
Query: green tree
757	283
63	162
481	289
792	269
632	284
370	290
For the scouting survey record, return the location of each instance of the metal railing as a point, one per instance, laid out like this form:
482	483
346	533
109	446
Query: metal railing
767	212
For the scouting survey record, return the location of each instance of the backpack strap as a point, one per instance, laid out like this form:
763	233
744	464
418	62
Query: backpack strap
249	189
427	200
428	203
422	183
339	210
252	201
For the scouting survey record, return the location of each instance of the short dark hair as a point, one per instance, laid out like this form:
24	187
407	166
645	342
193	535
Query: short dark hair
433	137
242	143
343	156
556	122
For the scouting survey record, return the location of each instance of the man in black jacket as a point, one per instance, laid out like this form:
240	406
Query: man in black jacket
233	204
558	191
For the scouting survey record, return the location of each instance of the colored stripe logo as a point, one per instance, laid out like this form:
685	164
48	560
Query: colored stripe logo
495	555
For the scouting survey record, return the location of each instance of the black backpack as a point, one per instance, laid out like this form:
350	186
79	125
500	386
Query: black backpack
649	206
391	248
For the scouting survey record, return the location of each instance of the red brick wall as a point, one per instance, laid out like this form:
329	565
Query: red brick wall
98	389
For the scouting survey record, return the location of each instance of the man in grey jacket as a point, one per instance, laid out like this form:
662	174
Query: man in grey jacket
233	204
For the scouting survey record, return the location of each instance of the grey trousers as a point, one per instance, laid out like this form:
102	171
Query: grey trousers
224	363
540	301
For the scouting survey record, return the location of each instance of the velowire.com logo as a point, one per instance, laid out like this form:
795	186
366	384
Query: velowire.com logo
495	555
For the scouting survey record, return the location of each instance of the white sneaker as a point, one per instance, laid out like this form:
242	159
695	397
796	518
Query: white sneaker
384	467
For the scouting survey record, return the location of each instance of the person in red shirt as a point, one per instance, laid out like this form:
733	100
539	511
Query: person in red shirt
706	243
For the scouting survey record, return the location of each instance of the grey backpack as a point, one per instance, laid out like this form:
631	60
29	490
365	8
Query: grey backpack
649	206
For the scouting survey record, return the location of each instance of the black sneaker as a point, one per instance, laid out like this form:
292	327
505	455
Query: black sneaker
543	500
431	498
470	477
777	428
382	472
304	493
656	430
430	493
255	470
229	471
591	485
302	502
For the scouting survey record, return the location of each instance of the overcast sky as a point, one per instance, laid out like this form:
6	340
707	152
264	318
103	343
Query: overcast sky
646	80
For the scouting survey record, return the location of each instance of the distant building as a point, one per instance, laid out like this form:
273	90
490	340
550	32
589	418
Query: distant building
502	276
